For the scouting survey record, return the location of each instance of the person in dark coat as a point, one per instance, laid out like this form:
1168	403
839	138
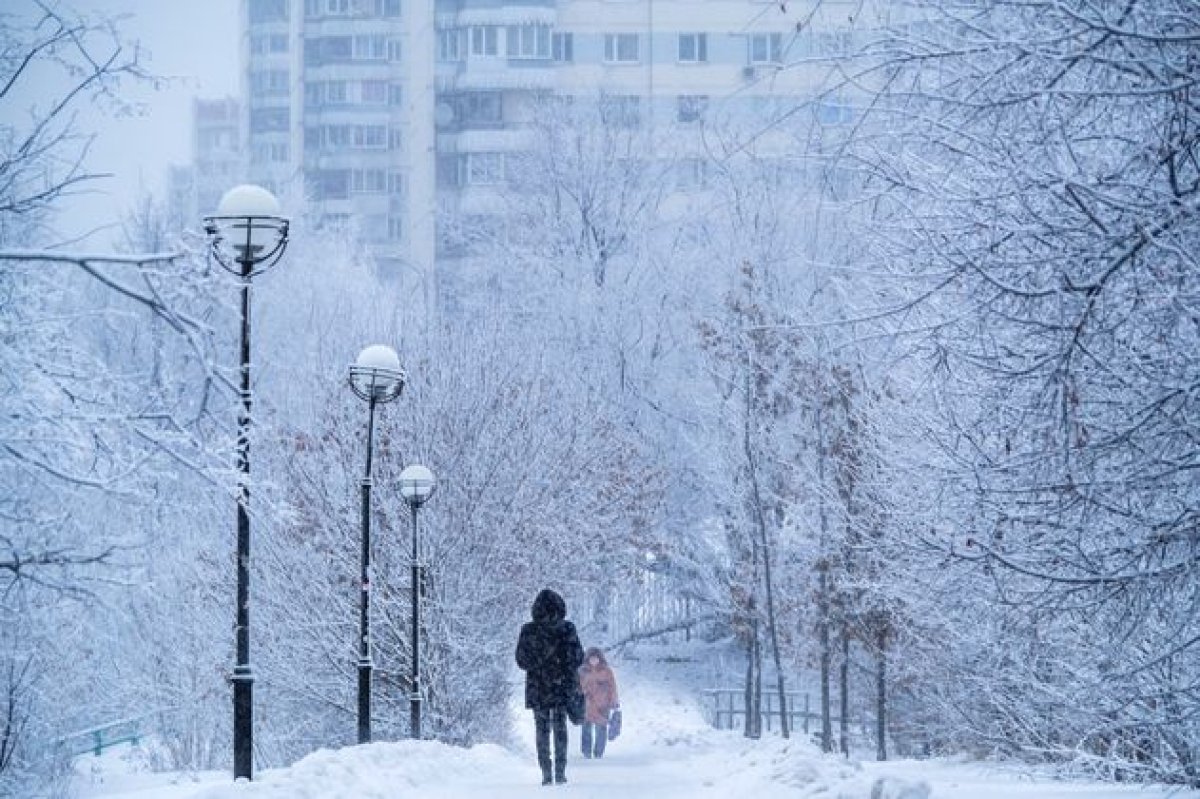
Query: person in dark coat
550	654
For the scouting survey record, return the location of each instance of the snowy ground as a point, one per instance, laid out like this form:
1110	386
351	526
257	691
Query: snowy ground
667	751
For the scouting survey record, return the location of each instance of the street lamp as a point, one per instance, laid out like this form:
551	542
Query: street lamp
375	377
246	236
416	486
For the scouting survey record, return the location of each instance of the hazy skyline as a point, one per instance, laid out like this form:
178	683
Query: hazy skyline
193	45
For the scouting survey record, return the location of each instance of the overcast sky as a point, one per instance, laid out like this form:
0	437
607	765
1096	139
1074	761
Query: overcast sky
193	41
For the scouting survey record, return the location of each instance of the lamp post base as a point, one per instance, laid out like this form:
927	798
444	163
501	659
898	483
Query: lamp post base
364	702
243	710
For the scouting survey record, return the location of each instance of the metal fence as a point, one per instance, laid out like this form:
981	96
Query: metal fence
727	710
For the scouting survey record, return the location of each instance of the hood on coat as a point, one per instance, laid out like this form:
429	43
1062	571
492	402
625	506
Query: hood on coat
594	651
549	606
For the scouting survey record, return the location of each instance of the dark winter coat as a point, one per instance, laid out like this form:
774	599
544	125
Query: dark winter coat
550	653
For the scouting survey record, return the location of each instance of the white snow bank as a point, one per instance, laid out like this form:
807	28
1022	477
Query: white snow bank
666	751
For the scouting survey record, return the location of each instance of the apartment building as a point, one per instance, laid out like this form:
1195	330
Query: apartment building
396	114
217	158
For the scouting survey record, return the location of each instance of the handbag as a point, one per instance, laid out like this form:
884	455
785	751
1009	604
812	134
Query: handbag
614	724
577	706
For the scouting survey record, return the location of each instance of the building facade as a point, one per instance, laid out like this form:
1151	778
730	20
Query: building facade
393	115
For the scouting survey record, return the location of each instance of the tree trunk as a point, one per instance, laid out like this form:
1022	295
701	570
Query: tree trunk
753	726
823	589
761	525
881	696
844	680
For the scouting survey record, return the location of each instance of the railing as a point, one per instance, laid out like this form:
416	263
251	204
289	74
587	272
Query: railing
728	709
104	736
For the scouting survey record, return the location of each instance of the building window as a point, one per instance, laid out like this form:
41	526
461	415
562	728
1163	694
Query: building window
368	181
395	228
370	137
269	82
393	50
268	11
481	109
485	40
691	107
485	169
374	92
562	47
693	48
266	44
267	120
449	169
332	184
387	8
328	50
395	94
450	44
337	8
766	48
395	184
621	48
395	139
528	41
621	110
370	47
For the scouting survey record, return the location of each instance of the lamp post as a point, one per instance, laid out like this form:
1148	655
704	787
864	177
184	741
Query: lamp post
377	378
416	486
246	236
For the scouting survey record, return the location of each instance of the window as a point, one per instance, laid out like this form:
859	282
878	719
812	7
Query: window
485	40
395	94
450	44
395	228
269	82
337	7
449	169
528	41
370	47
766	48
693	48
481	109
332	184
485	168
267	120
395	184
621	48
268	11
393	49
335	136
374	92
562	47
264	44
328	50
691	107
395	139
370	136
368	181
387	8
621	110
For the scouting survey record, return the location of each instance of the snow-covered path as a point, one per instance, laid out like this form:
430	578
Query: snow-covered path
666	752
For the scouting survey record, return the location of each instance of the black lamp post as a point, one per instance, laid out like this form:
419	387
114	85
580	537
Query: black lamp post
247	236
416	486
377	378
